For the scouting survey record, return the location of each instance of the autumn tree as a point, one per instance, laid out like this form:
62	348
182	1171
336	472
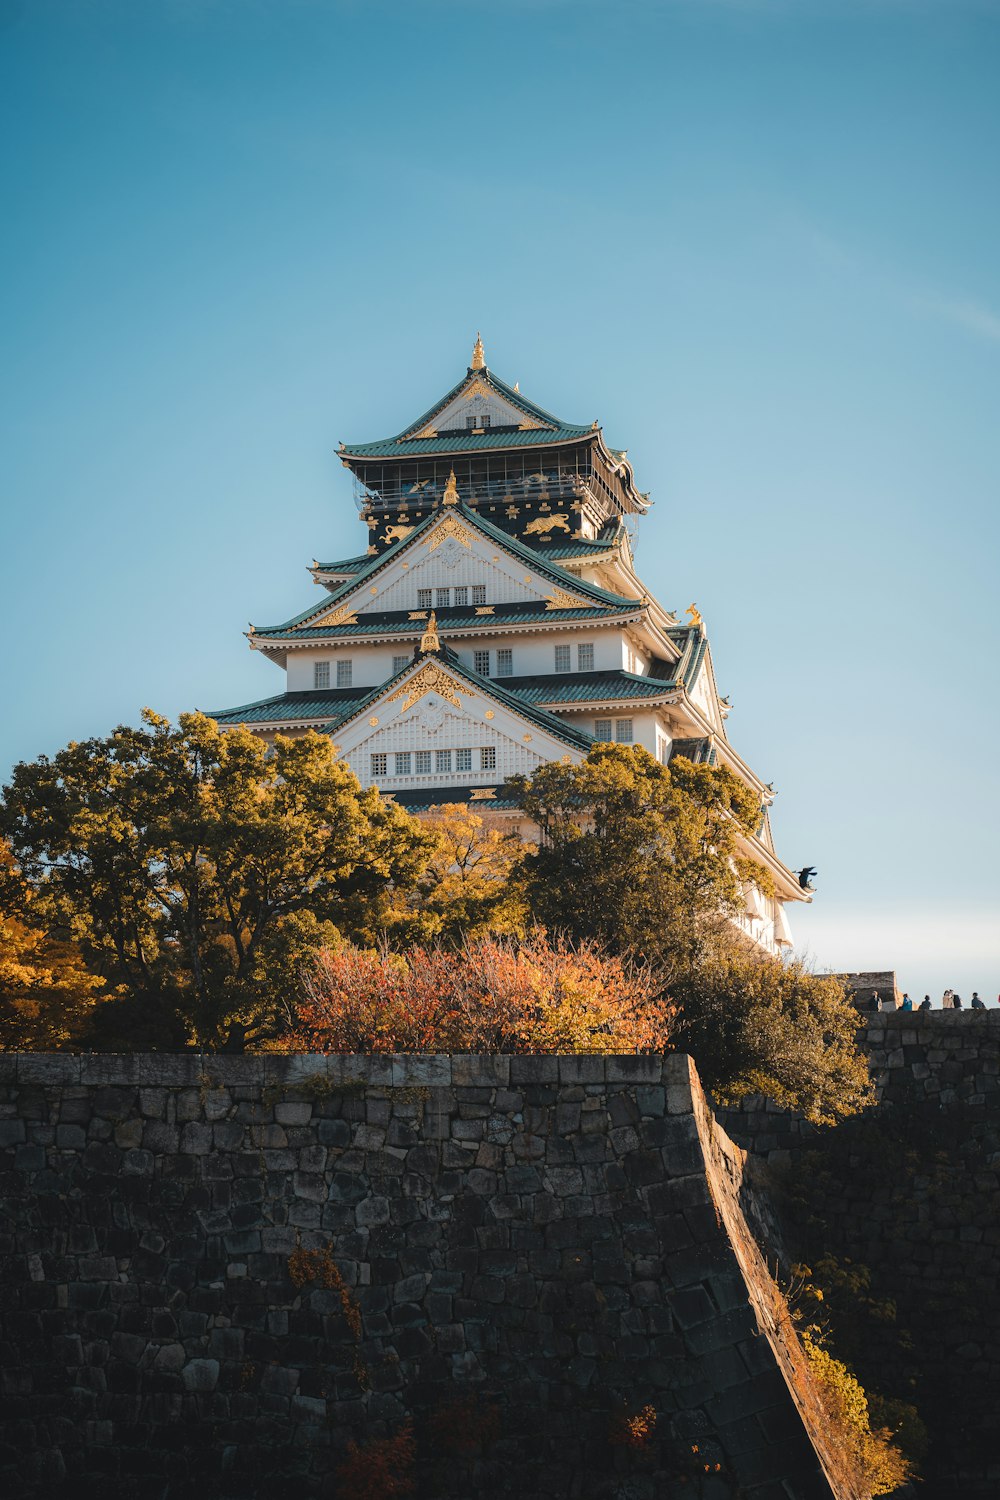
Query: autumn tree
198	868
47	993
471	885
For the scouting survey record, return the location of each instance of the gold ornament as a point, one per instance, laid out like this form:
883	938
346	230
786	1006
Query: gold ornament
696	619
560	599
478	355
373	723
342	616
450	496
542	525
449	525
429	640
432	678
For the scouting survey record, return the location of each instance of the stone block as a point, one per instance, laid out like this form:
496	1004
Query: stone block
470	1070
201	1375
49	1069
414	1070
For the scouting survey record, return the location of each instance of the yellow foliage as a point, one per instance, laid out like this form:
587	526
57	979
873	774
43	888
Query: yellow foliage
872	1459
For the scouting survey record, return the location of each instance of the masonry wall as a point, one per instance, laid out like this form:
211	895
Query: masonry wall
910	1190
216	1271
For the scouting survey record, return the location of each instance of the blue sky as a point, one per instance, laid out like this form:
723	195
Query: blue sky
757	239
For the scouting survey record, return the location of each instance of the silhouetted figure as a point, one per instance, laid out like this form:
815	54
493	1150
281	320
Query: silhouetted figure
925	1003
875	1002
907	1003
977	1004
957	1002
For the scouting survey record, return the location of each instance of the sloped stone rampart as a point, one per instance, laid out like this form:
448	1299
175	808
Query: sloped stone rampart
553	1244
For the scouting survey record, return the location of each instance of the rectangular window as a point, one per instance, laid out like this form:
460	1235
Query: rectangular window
470	423
345	671
398	663
442	760
479	593
481	662
442	598
623	731
422	762
505	663
402	759
424	597
488	758
562	659
463	760
380	765
321	674
585	658
485	421
602	730
461	597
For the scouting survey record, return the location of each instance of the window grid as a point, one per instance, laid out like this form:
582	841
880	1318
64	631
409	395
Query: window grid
563	662
505	663
585	657
321	674
623	731
424	597
421	762
380	765
479	593
398	663
402	763
488	758
481	662
442	760
461	596
345	672
463	760
602	730
442	598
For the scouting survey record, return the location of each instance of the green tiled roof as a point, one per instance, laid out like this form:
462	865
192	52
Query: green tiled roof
465	620
587	687
693	645
404	445
345	565
519	549
579	547
309	707
467	442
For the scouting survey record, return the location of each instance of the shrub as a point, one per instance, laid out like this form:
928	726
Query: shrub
381	1469
490	996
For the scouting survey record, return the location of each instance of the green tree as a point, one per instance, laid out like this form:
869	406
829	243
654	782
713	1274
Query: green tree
471	885
638	855
196	868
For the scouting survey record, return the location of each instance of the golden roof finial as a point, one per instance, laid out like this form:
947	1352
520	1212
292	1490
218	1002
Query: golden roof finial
478	356
450	496
695	614
429	640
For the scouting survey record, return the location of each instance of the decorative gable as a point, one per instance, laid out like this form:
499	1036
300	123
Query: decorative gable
477	406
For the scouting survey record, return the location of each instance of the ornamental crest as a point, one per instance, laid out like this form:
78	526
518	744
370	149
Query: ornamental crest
342	616
559	599
449	526
432	678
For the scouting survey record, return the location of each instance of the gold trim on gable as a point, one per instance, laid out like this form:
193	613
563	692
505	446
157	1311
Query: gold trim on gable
560	599
432	678
449	526
342	616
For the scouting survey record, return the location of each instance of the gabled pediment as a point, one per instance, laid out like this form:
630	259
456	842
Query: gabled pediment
477	405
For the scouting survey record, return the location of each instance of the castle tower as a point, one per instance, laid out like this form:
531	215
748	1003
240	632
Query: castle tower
495	621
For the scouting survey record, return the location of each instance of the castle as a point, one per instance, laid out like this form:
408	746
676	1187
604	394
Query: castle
495	621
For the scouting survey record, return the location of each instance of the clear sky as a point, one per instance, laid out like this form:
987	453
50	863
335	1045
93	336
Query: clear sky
759	239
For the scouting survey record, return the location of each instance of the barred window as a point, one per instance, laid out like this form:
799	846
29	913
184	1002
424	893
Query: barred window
463	760
402	759
345	671
479	593
398	663
585	657
488	758
505	663
321	674
623	731
563	662
422	762
380	765
602	730
461	596
442	760
442	598
424	598
481	662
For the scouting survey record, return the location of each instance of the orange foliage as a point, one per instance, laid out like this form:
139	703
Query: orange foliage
491	996
381	1469
320	1266
634	1431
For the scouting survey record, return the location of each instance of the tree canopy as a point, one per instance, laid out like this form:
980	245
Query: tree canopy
196	867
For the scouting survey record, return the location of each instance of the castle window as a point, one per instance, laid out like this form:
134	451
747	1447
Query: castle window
585	657
602	730
623	731
321	674
402	760
380	765
463	760
461	596
563	662
442	598
345	672
481	662
505	663
488	758
398	663
442	760
479	593
422	762
424	598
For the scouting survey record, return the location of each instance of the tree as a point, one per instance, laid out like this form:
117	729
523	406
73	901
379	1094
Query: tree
471	886
757	1024
491	995
47	994
639	856
196	867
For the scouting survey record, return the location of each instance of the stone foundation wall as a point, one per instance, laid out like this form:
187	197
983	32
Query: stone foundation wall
217	1271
